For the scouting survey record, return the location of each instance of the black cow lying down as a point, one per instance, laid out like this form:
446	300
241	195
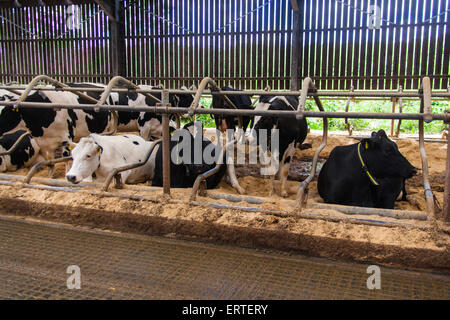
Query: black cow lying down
371	173
183	175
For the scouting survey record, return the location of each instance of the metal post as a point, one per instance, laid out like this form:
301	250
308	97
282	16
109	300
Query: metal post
425	108
296	34
117	38
166	144
394	101
446	216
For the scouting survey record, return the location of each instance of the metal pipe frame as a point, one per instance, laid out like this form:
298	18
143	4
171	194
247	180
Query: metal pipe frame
446	213
15	145
347	106
269	113
201	178
117	170
201	88
61	85
400	110
308	85
425	107
125	82
308	89
34	168
324	93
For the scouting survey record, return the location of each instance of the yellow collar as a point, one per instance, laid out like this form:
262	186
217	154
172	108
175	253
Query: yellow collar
366	170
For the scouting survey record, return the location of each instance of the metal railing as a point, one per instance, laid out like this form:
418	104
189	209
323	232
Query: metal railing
425	95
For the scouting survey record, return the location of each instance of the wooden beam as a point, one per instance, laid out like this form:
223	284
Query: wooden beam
107	9
117	38
296	46
294	5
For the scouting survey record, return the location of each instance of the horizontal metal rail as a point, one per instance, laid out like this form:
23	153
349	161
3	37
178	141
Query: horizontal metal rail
356	93
51	162
271	113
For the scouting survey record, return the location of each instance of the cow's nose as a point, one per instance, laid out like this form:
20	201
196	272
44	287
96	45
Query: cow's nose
71	178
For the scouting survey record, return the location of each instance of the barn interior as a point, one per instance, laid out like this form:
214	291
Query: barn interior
333	55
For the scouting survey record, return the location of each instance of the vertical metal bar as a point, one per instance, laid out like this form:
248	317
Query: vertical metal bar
425	107
166	144
394	101
447	182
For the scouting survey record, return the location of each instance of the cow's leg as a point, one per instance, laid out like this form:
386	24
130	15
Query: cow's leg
284	169
270	168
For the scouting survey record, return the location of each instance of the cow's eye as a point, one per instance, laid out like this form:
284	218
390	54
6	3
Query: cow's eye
88	156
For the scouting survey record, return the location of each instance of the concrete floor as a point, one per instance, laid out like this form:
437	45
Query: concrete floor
34	258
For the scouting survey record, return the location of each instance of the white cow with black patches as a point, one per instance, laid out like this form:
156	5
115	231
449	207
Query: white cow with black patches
291	133
97	155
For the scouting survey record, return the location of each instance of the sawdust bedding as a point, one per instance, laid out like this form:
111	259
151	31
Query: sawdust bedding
256	185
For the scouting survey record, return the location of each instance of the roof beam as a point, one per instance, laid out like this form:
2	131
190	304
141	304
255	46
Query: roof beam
107	8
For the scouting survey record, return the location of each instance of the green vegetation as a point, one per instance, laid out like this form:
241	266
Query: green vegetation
408	126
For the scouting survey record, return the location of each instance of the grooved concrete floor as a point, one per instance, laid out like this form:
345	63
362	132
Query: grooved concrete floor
34	259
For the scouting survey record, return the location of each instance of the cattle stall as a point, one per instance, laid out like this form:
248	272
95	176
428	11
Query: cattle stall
425	95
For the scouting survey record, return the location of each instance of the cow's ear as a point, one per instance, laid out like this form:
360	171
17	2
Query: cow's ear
367	144
69	144
99	149
381	134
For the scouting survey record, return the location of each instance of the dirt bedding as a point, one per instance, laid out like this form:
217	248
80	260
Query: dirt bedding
420	245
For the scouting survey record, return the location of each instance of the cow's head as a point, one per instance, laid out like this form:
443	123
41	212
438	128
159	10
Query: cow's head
86	159
383	158
184	100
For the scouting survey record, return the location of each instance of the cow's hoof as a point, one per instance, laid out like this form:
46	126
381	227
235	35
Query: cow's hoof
284	194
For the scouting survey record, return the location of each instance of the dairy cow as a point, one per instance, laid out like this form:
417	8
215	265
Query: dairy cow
292	132
95	156
47	126
25	154
371	173
149	124
231	122
184	174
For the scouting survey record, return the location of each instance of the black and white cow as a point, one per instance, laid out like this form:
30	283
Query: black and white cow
231	122
371	173
184	173
149	124
25	155
292	132
97	155
48	127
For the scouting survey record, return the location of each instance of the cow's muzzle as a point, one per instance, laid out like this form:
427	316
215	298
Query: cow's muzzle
72	179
